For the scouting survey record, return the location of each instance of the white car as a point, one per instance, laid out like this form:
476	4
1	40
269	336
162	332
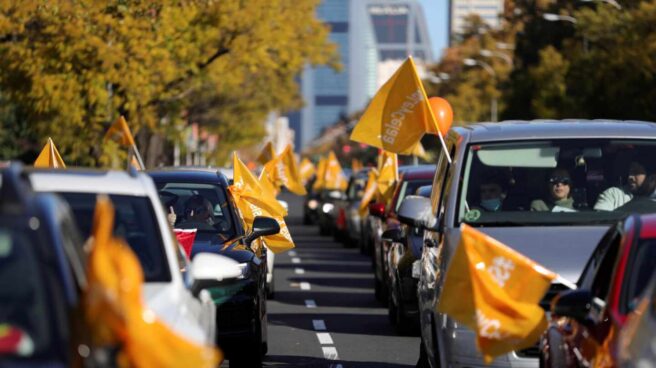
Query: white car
141	221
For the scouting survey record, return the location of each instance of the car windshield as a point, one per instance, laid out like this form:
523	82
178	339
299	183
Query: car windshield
356	189
644	262
557	182
25	307
135	222
198	206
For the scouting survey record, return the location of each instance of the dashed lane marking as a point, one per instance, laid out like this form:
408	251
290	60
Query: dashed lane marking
319	324
292	253
310	303
330	353
296	260
299	271
305	285
325	338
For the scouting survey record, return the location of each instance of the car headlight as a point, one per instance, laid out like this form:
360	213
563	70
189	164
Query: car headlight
313	204
327	207
245	270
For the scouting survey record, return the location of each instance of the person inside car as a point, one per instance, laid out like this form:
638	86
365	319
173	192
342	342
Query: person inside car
560	189
198	210
615	197
492	192
644	197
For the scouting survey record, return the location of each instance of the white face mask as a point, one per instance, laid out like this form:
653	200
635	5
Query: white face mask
491	204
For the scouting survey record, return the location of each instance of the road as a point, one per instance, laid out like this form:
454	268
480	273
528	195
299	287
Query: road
324	312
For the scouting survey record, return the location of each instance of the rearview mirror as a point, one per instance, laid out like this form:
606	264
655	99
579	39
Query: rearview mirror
377	210
575	304
416	211
393	236
263	226
209	268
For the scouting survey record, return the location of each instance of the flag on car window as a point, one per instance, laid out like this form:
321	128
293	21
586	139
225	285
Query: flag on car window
370	191
49	157
306	169
267	154
319	183
283	171
334	178
398	115
120	132
114	306
186	239
388	176
495	291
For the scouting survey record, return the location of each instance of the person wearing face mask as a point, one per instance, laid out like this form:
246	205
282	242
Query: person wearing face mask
559	199
615	197
492	194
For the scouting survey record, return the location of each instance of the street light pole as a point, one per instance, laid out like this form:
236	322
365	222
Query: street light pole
551	17
609	2
490	70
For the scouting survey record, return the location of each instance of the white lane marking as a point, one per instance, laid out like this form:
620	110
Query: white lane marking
296	260
292	253
299	271
310	303
335	366
324	338
305	285
319	324
330	353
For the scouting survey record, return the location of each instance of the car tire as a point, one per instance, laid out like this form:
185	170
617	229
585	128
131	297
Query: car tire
557	356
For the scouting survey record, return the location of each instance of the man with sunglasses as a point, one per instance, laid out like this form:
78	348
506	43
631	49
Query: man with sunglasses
559	200
615	197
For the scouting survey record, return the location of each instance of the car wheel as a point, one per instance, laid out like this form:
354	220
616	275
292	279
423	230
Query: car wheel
556	352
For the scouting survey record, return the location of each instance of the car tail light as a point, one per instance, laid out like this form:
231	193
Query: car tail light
377	210
341	219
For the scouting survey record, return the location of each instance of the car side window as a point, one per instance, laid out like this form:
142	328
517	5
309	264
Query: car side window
604	272
588	274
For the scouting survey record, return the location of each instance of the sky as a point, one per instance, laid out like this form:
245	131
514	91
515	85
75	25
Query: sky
436	12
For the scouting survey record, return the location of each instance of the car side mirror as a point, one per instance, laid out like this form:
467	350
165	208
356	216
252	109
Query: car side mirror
263	226
416	211
208	269
377	210
393	236
575	304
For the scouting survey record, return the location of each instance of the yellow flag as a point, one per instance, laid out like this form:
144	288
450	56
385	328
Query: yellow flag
120	132
114	307
320	181
49	157
254	198
307	169
398	115
268	177
267	154
283	171
370	190
495	291
419	151
334	178
388	175
356	165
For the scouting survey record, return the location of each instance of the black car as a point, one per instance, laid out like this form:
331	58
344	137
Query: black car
311	204
200	200
42	275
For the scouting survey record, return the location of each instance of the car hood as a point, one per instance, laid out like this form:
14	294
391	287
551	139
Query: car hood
561	249
178	311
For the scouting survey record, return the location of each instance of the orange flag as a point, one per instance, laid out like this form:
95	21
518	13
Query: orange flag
115	309
307	169
283	171
388	175
370	191
495	291
120	132
49	157
334	175
267	154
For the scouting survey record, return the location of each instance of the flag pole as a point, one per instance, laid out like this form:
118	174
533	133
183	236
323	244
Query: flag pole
446	151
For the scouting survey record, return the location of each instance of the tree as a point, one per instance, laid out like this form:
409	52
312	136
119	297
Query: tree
68	68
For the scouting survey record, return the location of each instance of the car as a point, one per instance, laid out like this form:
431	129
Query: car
348	222
311	204
638	336
141	221
410	179
327	212
497	173
403	262
42	277
585	320
241	316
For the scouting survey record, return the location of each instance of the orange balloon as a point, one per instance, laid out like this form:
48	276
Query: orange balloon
443	113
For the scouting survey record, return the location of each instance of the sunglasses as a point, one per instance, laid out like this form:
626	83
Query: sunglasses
559	180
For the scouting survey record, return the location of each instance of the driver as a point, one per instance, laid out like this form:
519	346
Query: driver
560	189
615	197
199	209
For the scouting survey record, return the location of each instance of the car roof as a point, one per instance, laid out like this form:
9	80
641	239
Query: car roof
89	180
185	174
556	129
419	172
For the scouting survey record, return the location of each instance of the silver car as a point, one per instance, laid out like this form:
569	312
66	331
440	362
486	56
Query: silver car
533	186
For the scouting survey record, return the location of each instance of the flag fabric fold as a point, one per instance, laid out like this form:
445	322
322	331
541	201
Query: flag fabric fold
283	171
334	178
398	115
120	132
388	176
306	169
495	291
267	154
370	192
49	157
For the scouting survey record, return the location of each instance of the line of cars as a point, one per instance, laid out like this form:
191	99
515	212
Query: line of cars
215	296
550	190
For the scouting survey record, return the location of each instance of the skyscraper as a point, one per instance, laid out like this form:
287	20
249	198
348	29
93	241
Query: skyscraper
488	10
373	37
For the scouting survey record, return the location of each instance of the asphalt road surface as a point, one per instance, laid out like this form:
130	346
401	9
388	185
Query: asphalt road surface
324	313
